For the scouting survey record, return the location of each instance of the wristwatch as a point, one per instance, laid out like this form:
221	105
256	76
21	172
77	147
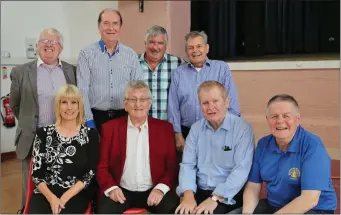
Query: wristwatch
215	198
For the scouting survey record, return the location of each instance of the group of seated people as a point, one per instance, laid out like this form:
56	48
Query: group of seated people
132	163
152	131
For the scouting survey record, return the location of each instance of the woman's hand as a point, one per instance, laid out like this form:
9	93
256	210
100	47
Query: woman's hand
56	204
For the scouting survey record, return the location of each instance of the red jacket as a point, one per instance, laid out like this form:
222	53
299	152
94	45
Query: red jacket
113	145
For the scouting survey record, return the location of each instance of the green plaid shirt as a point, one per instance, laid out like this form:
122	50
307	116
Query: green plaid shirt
159	82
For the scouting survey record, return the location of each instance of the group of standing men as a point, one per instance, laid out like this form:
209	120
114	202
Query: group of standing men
215	146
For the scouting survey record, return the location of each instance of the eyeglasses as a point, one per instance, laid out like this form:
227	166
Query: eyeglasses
134	100
52	42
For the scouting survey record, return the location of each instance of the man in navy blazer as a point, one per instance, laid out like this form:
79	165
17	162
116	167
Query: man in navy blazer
137	166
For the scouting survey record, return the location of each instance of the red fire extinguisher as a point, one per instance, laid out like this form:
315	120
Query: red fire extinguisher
8	119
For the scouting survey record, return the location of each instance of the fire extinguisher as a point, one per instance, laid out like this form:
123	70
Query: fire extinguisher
8	119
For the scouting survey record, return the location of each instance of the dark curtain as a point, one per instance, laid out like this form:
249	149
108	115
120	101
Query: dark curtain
268	27
218	19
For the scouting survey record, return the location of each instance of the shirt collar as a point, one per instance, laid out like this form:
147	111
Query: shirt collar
40	62
225	125
142	58
144	125
293	145
104	47
208	63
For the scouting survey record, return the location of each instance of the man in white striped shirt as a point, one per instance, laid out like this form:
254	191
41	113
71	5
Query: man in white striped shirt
104	68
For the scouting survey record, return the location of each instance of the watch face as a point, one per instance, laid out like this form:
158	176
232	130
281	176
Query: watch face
214	198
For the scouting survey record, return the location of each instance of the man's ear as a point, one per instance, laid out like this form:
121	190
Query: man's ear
227	102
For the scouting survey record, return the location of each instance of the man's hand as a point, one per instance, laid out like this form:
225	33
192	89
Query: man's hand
117	195
207	206
155	197
187	205
56	204
179	142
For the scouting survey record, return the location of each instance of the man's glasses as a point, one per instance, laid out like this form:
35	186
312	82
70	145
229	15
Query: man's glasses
134	100
51	42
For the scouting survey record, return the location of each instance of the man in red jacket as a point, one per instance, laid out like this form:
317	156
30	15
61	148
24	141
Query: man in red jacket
137	166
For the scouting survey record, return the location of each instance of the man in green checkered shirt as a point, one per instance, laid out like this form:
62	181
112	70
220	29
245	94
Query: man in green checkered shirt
158	67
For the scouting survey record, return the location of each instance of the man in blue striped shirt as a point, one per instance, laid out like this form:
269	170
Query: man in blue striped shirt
104	69
183	105
158	66
217	157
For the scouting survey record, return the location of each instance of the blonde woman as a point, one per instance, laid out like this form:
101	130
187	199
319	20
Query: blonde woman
64	158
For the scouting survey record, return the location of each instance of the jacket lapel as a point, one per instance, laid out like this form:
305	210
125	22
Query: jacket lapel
65	69
123	141
152	145
32	75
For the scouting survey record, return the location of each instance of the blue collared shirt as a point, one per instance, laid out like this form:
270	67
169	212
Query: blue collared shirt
304	166
102	77
183	104
217	160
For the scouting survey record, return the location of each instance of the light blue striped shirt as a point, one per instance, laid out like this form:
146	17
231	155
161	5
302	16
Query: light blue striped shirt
183	104
102	78
217	160
49	80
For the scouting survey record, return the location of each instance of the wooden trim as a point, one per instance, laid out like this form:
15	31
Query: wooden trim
8	156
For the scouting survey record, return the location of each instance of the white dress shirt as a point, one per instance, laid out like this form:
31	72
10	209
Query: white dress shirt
136	173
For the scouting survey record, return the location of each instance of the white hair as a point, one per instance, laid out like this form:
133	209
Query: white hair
52	32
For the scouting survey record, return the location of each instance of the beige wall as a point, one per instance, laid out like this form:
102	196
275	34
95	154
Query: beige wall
317	92
174	16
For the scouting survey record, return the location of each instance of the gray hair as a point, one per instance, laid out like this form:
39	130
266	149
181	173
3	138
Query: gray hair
52	32
156	30
194	34
136	85
285	98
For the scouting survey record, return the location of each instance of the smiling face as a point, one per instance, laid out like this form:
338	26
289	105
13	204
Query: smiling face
137	104
155	48
197	51
110	27
283	119
213	106
49	48
69	109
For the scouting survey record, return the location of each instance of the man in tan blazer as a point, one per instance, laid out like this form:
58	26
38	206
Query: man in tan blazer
33	88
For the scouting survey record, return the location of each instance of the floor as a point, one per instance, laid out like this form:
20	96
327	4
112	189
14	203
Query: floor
11	185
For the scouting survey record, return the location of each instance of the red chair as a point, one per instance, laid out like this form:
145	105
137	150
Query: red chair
30	188
136	211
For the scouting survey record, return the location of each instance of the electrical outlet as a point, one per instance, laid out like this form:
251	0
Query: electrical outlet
5	54
31	51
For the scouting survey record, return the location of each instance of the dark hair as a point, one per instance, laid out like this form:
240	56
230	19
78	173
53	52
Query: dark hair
283	97
101	13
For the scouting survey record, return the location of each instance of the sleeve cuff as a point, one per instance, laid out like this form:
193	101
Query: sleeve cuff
90	123
106	192
164	188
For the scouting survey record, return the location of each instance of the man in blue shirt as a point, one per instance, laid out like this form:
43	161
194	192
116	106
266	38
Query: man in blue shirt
293	163
217	157
103	71
183	105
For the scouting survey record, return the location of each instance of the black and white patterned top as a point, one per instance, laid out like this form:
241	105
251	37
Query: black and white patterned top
60	161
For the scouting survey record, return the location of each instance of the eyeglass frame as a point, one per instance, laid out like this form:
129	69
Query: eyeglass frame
134	100
51	42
